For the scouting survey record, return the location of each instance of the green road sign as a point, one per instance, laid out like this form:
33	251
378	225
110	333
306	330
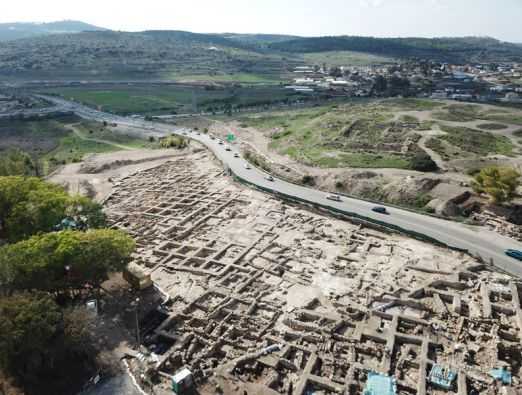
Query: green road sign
230	137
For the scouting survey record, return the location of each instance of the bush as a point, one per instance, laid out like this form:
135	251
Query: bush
500	183
173	142
308	180
423	162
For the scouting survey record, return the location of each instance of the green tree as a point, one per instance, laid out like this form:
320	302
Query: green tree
41	344
28	325
29	205
398	86
499	183
60	260
17	163
380	85
423	162
173	142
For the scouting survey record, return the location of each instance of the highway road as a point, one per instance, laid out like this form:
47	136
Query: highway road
478	241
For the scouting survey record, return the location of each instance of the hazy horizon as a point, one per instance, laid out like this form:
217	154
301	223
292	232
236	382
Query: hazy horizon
378	18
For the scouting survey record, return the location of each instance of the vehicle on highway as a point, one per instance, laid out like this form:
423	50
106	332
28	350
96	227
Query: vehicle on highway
270	178
380	210
335	198
212	137
220	142
236	155
514	254
247	166
227	148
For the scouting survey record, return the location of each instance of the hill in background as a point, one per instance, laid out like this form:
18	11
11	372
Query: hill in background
453	50
227	57
17	30
144	55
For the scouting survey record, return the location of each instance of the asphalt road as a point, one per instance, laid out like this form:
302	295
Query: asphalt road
490	246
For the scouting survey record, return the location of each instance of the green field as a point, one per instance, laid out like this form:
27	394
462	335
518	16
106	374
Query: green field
244	78
177	99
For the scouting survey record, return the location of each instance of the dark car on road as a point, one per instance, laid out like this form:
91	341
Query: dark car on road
514	254
380	210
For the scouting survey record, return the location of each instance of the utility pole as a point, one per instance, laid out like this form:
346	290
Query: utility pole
138	323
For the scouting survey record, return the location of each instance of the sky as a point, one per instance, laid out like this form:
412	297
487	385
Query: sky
501	19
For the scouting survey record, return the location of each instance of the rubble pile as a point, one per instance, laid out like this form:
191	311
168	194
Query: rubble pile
498	224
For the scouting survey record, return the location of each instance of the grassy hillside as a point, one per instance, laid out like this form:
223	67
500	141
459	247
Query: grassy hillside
388	134
61	140
147	55
456	50
181	56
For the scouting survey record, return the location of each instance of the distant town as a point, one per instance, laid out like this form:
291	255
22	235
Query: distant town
475	82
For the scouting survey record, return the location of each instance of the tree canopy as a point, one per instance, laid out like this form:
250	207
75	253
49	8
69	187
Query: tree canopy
499	183
40	341
29	205
28	325
60	260
17	163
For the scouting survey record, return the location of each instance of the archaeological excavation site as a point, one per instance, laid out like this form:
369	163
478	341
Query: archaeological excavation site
263	296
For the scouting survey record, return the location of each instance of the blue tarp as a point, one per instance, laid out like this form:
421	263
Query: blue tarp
378	384
442	376
501	374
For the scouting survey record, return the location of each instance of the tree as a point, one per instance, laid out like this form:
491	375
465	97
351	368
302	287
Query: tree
500	183
336	72
29	205
17	163
55	261
28	325
380	85
423	162
399	85
40	343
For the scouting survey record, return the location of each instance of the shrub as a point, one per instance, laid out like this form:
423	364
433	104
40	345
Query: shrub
308	180
423	162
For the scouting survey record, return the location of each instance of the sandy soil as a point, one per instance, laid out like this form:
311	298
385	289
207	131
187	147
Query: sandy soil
95	176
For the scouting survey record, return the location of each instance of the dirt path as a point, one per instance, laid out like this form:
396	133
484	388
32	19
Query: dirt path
426	136
80	135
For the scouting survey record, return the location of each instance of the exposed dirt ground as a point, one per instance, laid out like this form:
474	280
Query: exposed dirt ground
268	298
94	176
